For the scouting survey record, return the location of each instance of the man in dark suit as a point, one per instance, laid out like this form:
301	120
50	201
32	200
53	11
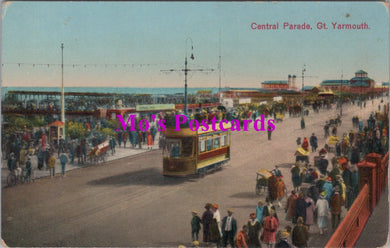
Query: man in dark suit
229	229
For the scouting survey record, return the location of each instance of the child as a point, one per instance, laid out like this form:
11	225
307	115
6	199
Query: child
195	225
242	238
28	170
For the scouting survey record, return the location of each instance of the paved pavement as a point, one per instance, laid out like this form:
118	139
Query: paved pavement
372	236
120	152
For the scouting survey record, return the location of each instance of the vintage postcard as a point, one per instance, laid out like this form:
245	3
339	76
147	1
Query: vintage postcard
194	124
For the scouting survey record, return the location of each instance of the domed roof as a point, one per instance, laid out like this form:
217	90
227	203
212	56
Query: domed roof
361	72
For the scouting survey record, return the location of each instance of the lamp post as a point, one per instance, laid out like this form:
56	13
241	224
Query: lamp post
341	102
382	91
62	91
303	97
185	75
303	85
186	70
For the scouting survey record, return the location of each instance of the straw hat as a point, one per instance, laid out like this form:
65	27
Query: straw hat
285	234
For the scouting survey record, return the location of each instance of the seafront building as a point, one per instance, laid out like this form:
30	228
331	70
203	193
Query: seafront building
97	105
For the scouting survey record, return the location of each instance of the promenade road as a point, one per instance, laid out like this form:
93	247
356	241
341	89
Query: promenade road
120	152
127	202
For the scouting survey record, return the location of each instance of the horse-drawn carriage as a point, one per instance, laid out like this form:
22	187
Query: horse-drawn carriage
302	155
330	146
279	117
99	152
262	177
335	121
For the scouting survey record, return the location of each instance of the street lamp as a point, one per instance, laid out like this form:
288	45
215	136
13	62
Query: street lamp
341	102
303	85
185	74
186	70
382	91
303	99
62	91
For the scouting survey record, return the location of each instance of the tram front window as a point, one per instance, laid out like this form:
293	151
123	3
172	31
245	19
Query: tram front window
187	148
175	148
171	148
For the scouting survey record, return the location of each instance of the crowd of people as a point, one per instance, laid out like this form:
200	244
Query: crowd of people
136	138
320	190
20	147
261	228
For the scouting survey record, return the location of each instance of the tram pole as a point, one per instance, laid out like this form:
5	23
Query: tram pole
62	91
341	100
303	97
219	68
186	70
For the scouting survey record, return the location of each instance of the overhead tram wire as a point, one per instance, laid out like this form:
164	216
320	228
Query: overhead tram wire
186	70
303	85
219	68
20	64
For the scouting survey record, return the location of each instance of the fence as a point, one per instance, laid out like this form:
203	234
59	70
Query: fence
372	180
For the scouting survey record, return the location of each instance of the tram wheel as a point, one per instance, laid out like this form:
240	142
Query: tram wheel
22	179
11	180
258	189
32	176
285	192
201	175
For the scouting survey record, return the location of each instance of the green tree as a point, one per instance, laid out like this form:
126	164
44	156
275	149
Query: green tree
21	123
75	130
112	124
36	121
17	124
108	132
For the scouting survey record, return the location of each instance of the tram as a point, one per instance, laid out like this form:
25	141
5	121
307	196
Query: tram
188	152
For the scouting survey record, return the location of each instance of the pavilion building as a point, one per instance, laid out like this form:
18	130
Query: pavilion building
335	84
279	84
362	80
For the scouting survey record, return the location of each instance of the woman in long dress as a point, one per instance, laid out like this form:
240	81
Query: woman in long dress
309	211
254	227
280	191
290	206
149	139
322	208
296	177
271	226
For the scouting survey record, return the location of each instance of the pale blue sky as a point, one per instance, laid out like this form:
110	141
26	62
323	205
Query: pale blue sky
155	33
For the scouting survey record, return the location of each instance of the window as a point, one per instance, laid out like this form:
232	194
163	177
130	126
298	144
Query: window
209	144
186	147
202	145
171	148
223	140
216	143
175	148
